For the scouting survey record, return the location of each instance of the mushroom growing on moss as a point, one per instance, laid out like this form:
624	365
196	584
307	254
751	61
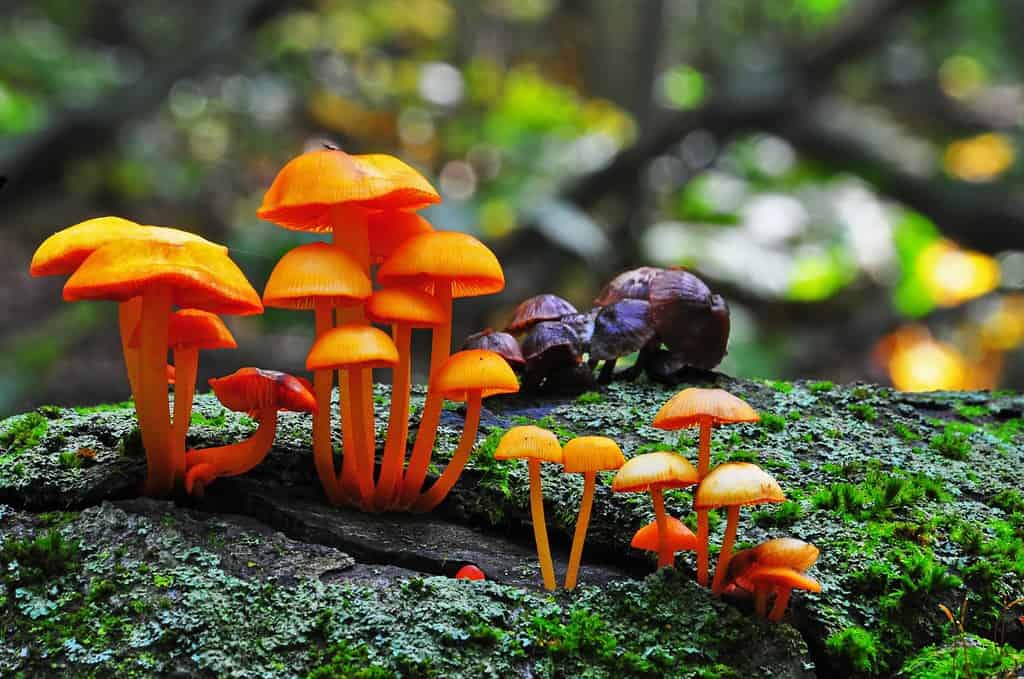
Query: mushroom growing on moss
780	552
470	572
679	537
785	580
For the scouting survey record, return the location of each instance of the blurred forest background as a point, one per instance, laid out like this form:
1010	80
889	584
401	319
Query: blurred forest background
845	172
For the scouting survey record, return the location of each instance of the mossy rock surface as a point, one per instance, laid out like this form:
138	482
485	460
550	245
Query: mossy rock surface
914	501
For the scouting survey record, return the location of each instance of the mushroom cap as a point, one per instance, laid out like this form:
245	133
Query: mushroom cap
546	307
192	328
691	405
352	345
592	454
200	276
788	552
470	572
475	370
64	251
680	538
632	284
444	258
253	389
407	306
308	186
655	470
529	442
735	484
316	272
620	329
554	341
391	228
784	577
501	343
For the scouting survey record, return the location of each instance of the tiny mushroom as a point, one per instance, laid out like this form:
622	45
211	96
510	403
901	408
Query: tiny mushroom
785	580
734	485
260	393
470	572
539	308
680	538
654	472
536	445
620	329
705	408
501	343
587	455
783	552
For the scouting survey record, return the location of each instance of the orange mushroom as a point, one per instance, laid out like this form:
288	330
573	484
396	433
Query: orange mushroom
654	472
783	552
535	445
470	572
391	228
680	538
785	580
469	376
448	265
404	309
705	408
734	485
322	278
188	275
587	455
353	349
258	392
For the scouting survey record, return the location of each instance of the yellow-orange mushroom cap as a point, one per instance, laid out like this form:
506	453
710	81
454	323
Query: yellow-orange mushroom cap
308	186
199	276
690	406
253	389
390	228
591	454
788	552
65	250
352	346
193	328
444	258
316	272
475	370
655	470
735	484
407	306
680	538
528	442
782	576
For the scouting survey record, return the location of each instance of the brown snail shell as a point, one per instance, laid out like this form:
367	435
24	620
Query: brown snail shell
689	319
583	325
620	329
537	309
501	343
632	284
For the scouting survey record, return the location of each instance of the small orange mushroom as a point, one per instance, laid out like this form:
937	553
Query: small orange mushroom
587	455
258	392
783	552
470	572
785	580
680	538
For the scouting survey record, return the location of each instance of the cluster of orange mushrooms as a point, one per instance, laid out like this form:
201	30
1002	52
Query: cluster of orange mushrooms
777	566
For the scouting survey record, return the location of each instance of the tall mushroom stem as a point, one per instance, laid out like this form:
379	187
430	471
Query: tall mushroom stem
704	452
398	422
233	459
323	453
151	404
128	314
665	555
440	348
439	491
540	530
702	546
186	364
726	554
365	447
580	536
781	602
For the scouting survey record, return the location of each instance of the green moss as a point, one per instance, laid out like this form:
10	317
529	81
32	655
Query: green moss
856	647
344	660
1010	501
972	656
786	514
215	421
864	411
971	411
878	495
19	433
821	386
590	398
953	443
773	422
780	386
34	560
105	408
905	432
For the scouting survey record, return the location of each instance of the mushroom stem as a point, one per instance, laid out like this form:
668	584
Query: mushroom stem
347	485
580	536
761	600
704	453
665	555
439	491
781	602
398	422
702	546
726	554
186	363
151	404
365	448
128	314
234	458
323	453
540	530
440	348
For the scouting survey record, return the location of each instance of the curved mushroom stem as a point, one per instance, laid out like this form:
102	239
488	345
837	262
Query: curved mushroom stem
781	602
761	600
540	529
439	491
128	314
234	458
665	555
704	453
151	400
323	452
703	531
726	554
398	422
582	522
347	483
364	451
440	348
186	363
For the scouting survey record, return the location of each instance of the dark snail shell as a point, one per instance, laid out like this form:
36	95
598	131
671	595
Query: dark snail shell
693	323
583	325
570	379
553	342
501	343
620	329
632	284
537	309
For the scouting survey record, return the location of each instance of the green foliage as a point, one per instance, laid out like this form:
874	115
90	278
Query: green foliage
878	495
953	443
1010	501
857	647
35	560
973	656
345	660
971	411
864	411
215	421
773	422
781	386
785	514
905	432
821	386
590	397
20	433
